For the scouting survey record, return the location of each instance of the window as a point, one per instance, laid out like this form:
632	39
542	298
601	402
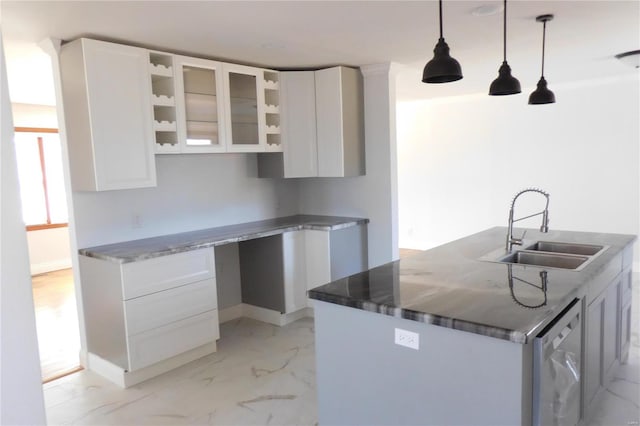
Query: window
39	158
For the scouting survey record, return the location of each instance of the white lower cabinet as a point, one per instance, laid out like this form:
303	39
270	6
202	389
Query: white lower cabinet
164	342
607	336
294	270
142	313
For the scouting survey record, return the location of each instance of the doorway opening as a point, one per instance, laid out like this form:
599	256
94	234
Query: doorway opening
44	210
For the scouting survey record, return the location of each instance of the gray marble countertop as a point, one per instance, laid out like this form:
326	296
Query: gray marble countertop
136	250
449	286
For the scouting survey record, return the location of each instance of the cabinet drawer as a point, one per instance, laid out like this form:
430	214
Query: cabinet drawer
165	272
158	309
170	340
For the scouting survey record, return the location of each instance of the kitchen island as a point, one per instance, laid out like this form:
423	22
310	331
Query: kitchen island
444	337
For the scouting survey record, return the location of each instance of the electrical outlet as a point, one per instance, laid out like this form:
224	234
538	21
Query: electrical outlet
407	338
136	221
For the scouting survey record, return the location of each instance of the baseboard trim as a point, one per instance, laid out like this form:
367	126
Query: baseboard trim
229	314
262	314
55	265
125	379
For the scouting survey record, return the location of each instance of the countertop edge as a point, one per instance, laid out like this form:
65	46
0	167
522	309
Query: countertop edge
408	314
93	252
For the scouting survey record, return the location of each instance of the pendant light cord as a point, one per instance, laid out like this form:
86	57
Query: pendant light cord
544	33
504	34
440	3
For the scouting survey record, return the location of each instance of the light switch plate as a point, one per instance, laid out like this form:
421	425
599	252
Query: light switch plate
407	338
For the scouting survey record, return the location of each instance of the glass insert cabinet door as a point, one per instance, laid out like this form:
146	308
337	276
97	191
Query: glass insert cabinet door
201	110
245	120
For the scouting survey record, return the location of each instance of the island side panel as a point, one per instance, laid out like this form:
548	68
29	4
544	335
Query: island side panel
454	377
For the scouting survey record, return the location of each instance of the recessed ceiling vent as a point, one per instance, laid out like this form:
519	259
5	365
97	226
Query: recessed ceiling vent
631	58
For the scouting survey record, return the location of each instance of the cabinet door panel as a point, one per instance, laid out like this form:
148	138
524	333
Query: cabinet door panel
610	329
625	333
318	252
244	97
294	263
330	124
201	112
119	97
593	351
170	340
162	308
298	93
165	272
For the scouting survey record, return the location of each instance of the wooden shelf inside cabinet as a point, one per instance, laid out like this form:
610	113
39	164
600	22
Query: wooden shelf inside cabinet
164	126
272	130
274	143
160	70
163	100
272	109
167	148
271	85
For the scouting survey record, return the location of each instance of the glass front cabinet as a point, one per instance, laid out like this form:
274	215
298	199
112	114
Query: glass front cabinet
245	103
205	106
200	111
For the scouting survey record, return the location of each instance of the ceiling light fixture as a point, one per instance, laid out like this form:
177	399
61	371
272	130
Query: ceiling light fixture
442	68
505	84
542	95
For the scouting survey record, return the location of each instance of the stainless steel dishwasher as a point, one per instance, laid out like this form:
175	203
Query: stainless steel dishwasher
556	369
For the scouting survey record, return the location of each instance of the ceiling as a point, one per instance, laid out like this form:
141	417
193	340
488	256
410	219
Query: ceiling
581	41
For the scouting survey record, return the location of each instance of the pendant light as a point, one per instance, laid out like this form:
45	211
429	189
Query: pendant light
505	84
442	68
542	95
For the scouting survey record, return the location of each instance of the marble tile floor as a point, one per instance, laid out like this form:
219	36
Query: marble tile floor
261	375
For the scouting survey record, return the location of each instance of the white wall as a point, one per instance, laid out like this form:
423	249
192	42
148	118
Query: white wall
49	250
461	160
21	398
29	115
374	195
194	192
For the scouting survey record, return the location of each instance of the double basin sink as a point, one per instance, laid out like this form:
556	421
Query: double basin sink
550	254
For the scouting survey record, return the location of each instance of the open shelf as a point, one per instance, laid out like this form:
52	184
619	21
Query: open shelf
164	126
163	100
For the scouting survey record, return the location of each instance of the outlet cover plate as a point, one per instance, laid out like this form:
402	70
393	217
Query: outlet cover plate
407	338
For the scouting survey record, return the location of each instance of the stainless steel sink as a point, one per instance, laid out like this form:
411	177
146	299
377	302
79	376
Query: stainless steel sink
570	248
550	260
549	254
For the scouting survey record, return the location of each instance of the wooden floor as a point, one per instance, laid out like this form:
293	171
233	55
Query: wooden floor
57	323
408	252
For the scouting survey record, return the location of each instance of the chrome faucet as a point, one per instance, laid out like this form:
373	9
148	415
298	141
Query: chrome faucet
511	240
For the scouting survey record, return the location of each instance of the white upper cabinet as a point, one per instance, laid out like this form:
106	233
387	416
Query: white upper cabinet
340	122
245	105
106	93
201	112
298	94
322	128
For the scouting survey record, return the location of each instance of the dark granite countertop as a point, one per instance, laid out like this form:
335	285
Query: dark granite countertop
136	250
449	286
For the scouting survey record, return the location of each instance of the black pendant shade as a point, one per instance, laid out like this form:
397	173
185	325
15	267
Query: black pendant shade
442	68
505	84
542	95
